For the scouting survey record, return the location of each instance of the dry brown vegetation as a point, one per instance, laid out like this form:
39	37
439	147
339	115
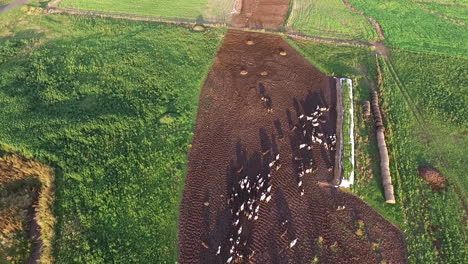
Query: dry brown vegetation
433	177
26	197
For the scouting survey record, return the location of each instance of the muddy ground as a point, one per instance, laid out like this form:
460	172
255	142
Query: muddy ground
258	14
238	135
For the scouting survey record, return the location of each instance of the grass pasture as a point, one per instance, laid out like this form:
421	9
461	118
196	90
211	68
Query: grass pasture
16	200
111	105
457	12
329	19
210	10
407	26
189	9
435	232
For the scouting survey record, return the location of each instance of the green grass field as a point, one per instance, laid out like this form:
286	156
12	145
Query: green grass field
435	227
457	12
200	10
5	2
407	26
188	9
427	218
330	19
111	106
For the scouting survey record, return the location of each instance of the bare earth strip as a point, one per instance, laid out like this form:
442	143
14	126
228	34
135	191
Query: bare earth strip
267	14
374	23
236	135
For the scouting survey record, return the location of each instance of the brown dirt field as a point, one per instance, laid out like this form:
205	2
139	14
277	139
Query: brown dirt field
433	177
236	137
257	14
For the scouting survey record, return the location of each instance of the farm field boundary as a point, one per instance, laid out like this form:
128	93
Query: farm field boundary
191	23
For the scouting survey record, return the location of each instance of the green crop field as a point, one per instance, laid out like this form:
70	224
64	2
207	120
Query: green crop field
111	106
458	12
211	10
408	26
330	19
435	225
433	222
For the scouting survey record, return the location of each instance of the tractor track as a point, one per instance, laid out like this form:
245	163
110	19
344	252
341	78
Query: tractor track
452	20
233	129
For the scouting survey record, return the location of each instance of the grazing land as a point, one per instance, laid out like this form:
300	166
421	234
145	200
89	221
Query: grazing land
189	9
454	11
211	10
111	105
329	19
408	26
435	232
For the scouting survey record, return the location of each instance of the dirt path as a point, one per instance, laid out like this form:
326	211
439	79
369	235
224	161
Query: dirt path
236	137
12	5
374	23
456	22
261	14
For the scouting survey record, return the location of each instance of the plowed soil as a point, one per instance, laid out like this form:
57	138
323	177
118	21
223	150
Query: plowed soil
236	135
268	14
